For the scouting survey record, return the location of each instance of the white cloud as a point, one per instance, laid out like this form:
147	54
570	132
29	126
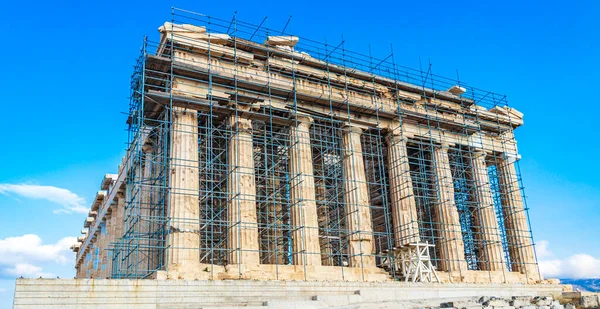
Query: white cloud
70	201
541	248
27	270
18	255
576	266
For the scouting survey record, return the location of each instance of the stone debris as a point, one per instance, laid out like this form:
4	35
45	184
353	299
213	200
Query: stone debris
518	303
567	301
543	301
483	299
463	304
496	302
589	301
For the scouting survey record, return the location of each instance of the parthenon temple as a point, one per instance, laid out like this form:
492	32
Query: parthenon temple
256	154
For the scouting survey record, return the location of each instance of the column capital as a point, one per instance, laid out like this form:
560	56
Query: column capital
238	104
148	148
303	119
399	129
183	110
510	158
393	137
478	153
350	128
238	123
444	145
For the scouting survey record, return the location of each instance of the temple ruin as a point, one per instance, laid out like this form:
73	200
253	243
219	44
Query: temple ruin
256	154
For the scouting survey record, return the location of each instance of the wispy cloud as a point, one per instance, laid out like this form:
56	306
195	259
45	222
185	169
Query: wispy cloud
27	270
541	248
29	247
70	201
19	256
576	266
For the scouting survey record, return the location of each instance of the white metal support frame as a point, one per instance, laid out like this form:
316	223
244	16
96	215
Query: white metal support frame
413	261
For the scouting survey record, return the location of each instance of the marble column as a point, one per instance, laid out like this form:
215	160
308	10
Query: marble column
184	239
486	224
518	236
305	224
104	268
356	199
144	211
117	218
243	238
449	237
402	197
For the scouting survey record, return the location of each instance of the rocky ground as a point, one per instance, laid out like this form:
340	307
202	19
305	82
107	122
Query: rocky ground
589	301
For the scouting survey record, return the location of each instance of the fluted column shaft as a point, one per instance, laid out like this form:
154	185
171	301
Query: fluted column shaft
356	198
144	222
104	269
241	187
184	210
404	207
117	219
117	216
450	242
518	235
305	234
486	224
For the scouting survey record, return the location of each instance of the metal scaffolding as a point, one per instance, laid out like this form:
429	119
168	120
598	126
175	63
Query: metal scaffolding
168	81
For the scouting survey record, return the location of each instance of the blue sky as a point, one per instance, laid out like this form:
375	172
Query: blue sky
65	85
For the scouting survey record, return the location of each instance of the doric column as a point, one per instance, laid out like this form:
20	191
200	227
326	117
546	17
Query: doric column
305	224
117	219
450	242
184	210
104	250
100	250
404	207
117	215
518	235
486	223
241	187
143	225
326	245
356	198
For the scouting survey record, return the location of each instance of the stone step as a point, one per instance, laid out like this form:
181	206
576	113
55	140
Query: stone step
223	306
174	294
339	300
184	288
285	304
231	307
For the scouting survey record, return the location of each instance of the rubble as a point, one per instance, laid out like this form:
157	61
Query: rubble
588	301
